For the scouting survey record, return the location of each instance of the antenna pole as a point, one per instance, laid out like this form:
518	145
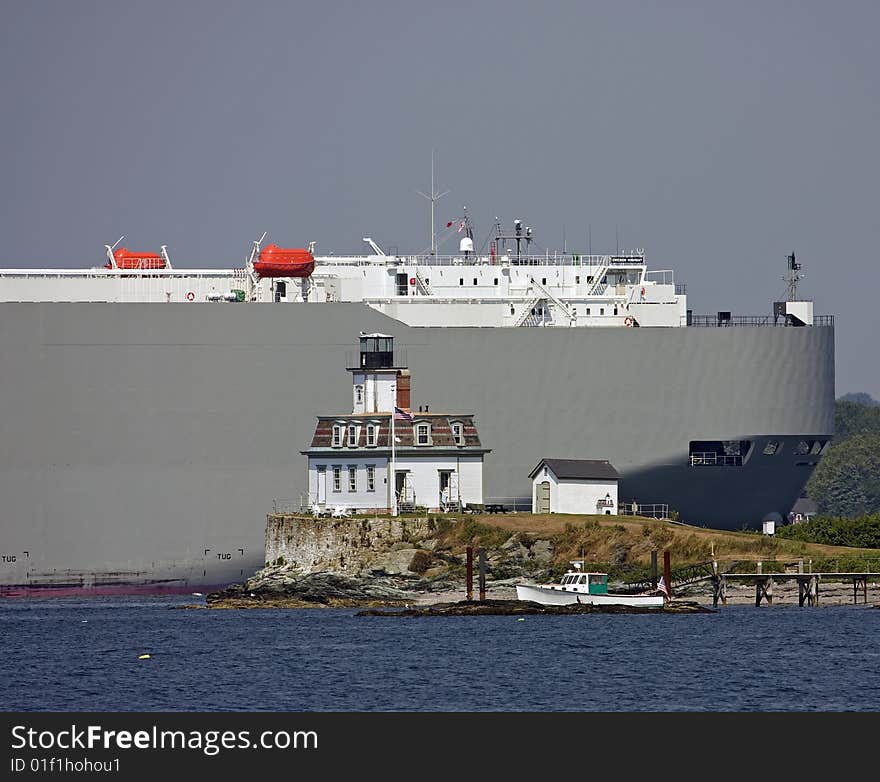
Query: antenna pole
433	198
793	277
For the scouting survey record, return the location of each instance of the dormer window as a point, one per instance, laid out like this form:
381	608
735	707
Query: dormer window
352	436
423	434
371	435
458	432
337	435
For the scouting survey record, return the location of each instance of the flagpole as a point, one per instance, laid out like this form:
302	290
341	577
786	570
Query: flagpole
392	481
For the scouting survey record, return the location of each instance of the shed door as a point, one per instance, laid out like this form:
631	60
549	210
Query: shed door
543	497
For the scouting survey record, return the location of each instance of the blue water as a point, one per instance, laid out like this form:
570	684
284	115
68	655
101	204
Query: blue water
78	655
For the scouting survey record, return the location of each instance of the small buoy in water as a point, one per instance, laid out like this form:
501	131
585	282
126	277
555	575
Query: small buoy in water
197	594
521	619
143	657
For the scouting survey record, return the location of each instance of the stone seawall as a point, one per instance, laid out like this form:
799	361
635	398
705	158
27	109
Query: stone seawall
349	546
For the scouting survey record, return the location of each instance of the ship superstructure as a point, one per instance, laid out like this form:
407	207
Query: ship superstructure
499	288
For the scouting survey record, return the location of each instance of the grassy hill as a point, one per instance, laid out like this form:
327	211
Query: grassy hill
622	546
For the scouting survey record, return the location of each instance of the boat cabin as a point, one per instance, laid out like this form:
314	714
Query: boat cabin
586	583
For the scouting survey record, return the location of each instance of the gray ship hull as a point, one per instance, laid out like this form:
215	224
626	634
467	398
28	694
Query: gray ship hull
142	445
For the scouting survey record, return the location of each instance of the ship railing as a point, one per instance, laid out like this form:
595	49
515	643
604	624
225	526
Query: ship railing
654	510
549	258
712	459
722	319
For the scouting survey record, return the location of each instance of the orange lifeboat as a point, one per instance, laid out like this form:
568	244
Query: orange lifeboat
126	259
275	261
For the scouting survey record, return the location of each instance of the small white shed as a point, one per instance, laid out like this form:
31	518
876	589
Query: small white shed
574	486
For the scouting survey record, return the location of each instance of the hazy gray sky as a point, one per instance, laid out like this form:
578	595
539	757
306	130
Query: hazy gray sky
718	136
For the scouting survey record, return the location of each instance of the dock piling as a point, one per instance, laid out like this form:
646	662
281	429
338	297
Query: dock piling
654	569
482	554
470	573
667	573
764	590
808	590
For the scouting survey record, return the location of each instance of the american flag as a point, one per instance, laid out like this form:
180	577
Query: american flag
661	586
402	415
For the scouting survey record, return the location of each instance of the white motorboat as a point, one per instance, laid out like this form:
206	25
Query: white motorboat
577	586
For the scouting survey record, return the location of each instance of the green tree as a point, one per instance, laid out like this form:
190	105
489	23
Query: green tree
847	480
852	418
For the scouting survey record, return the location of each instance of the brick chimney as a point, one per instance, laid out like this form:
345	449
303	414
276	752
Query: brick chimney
403	389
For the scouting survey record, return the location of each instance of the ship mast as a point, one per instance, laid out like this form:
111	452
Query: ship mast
434	197
793	277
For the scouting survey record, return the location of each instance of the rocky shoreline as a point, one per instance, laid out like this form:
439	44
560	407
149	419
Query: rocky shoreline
285	587
409	563
527	608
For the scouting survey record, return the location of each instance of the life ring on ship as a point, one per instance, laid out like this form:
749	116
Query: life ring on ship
628	321
190	296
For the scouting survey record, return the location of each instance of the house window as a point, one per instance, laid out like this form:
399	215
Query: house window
475	280
458	433
371	435
461	280
495	281
577	279
352	478
371	478
352	435
588	310
601	310
423	434
543	280
359	394
337	479
337	435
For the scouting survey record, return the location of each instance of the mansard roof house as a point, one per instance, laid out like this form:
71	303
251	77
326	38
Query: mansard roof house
436	458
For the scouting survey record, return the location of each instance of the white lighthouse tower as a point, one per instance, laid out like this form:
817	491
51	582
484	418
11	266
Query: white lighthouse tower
377	384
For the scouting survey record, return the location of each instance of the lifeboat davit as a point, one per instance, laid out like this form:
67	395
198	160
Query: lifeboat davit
275	261
126	259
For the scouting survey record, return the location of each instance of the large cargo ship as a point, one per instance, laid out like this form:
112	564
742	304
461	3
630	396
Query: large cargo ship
152	416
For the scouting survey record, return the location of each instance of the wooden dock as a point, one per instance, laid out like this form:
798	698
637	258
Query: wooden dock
808	584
